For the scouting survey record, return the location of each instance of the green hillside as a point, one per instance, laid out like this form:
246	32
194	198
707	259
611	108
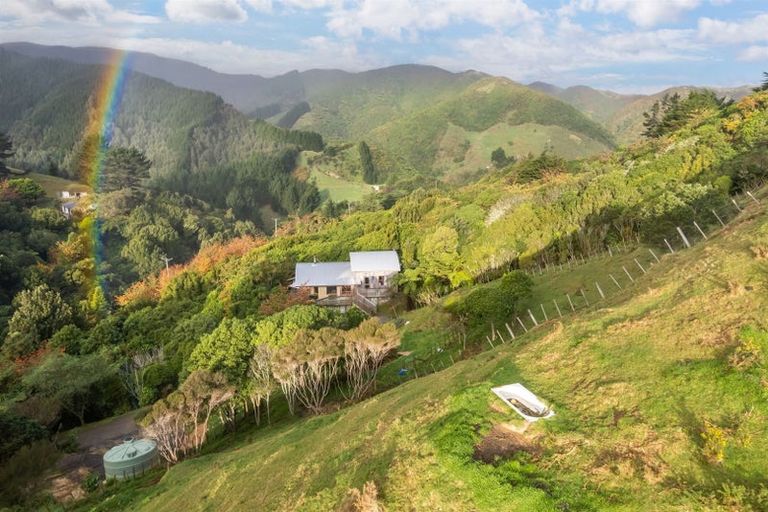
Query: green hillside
176	128
348	106
457	135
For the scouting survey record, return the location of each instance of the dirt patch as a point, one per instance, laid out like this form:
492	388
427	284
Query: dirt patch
502	442
93	442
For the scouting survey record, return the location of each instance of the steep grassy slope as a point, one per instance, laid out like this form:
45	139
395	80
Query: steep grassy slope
634	382
458	134
50	102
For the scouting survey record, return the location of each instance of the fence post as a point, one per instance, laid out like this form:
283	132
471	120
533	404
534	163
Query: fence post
599	290
735	204
753	197
610	252
546	318
654	256
570	302
585	296
535	322
682	235
615	281
671	250
489	342
522	324
628	274
509	329
639	265
557	307
718	218
700	230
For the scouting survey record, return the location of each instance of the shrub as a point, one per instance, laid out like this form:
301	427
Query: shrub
17	431
750	353
21	474
497	302
91	482
715	440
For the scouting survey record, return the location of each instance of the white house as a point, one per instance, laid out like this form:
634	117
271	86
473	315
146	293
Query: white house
366	280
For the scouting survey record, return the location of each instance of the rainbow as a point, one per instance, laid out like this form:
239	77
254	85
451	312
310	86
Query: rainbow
96	141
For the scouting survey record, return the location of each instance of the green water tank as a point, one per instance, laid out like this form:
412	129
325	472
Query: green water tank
131	458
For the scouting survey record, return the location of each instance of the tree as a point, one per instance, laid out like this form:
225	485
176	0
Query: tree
366	161
70	381
261	382
365	348
306	367
40	312
27	189
764	84
6	152
124	168
499	158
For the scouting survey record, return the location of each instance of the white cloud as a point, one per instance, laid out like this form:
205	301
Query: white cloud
395	18
754	53
83	11
731	32
534	53
643	13
205	11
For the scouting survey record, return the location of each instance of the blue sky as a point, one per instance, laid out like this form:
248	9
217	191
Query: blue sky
623	45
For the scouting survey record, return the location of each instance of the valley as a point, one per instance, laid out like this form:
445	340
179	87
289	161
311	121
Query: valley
300	290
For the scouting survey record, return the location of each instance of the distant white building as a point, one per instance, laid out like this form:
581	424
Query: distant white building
66	194
67	208
366	280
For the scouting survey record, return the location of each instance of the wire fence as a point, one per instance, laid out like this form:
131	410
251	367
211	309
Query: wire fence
589	295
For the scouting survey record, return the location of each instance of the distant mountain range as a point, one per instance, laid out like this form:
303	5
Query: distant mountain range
415	117
622	114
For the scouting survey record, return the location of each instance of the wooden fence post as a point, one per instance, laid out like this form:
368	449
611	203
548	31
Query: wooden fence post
718	218
700	230
546	318
509	329
735	204
522	324
585	296
615	281
671	250
682	235
753	197
599	290
654	256
570	302
639	265
557	307
628	274
535	322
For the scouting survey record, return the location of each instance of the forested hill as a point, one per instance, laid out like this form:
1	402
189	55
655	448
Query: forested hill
47	107
622	114
456	136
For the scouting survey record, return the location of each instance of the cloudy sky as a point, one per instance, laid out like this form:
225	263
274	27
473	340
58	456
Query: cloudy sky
623	45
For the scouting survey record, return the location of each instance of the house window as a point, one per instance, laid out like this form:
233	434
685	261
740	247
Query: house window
367	282
381	280
315	290
331	290
346	290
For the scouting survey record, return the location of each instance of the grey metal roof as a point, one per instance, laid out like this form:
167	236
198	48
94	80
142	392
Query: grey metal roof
335	273
374	261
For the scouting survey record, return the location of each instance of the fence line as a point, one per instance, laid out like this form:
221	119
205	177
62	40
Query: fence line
460	348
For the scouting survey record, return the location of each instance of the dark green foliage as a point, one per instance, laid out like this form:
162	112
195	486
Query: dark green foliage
124	168
679	205
15	432
21	475
293	115
39	313
159	380
673	112
499	158
532	169
366	161
498	303
28	190
266	111
6	152
69	338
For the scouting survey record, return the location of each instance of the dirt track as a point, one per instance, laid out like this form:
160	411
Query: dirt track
94	441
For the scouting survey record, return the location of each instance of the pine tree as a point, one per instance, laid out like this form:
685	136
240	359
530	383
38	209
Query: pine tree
764	84
366	160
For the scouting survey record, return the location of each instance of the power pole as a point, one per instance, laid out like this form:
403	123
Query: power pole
166	259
